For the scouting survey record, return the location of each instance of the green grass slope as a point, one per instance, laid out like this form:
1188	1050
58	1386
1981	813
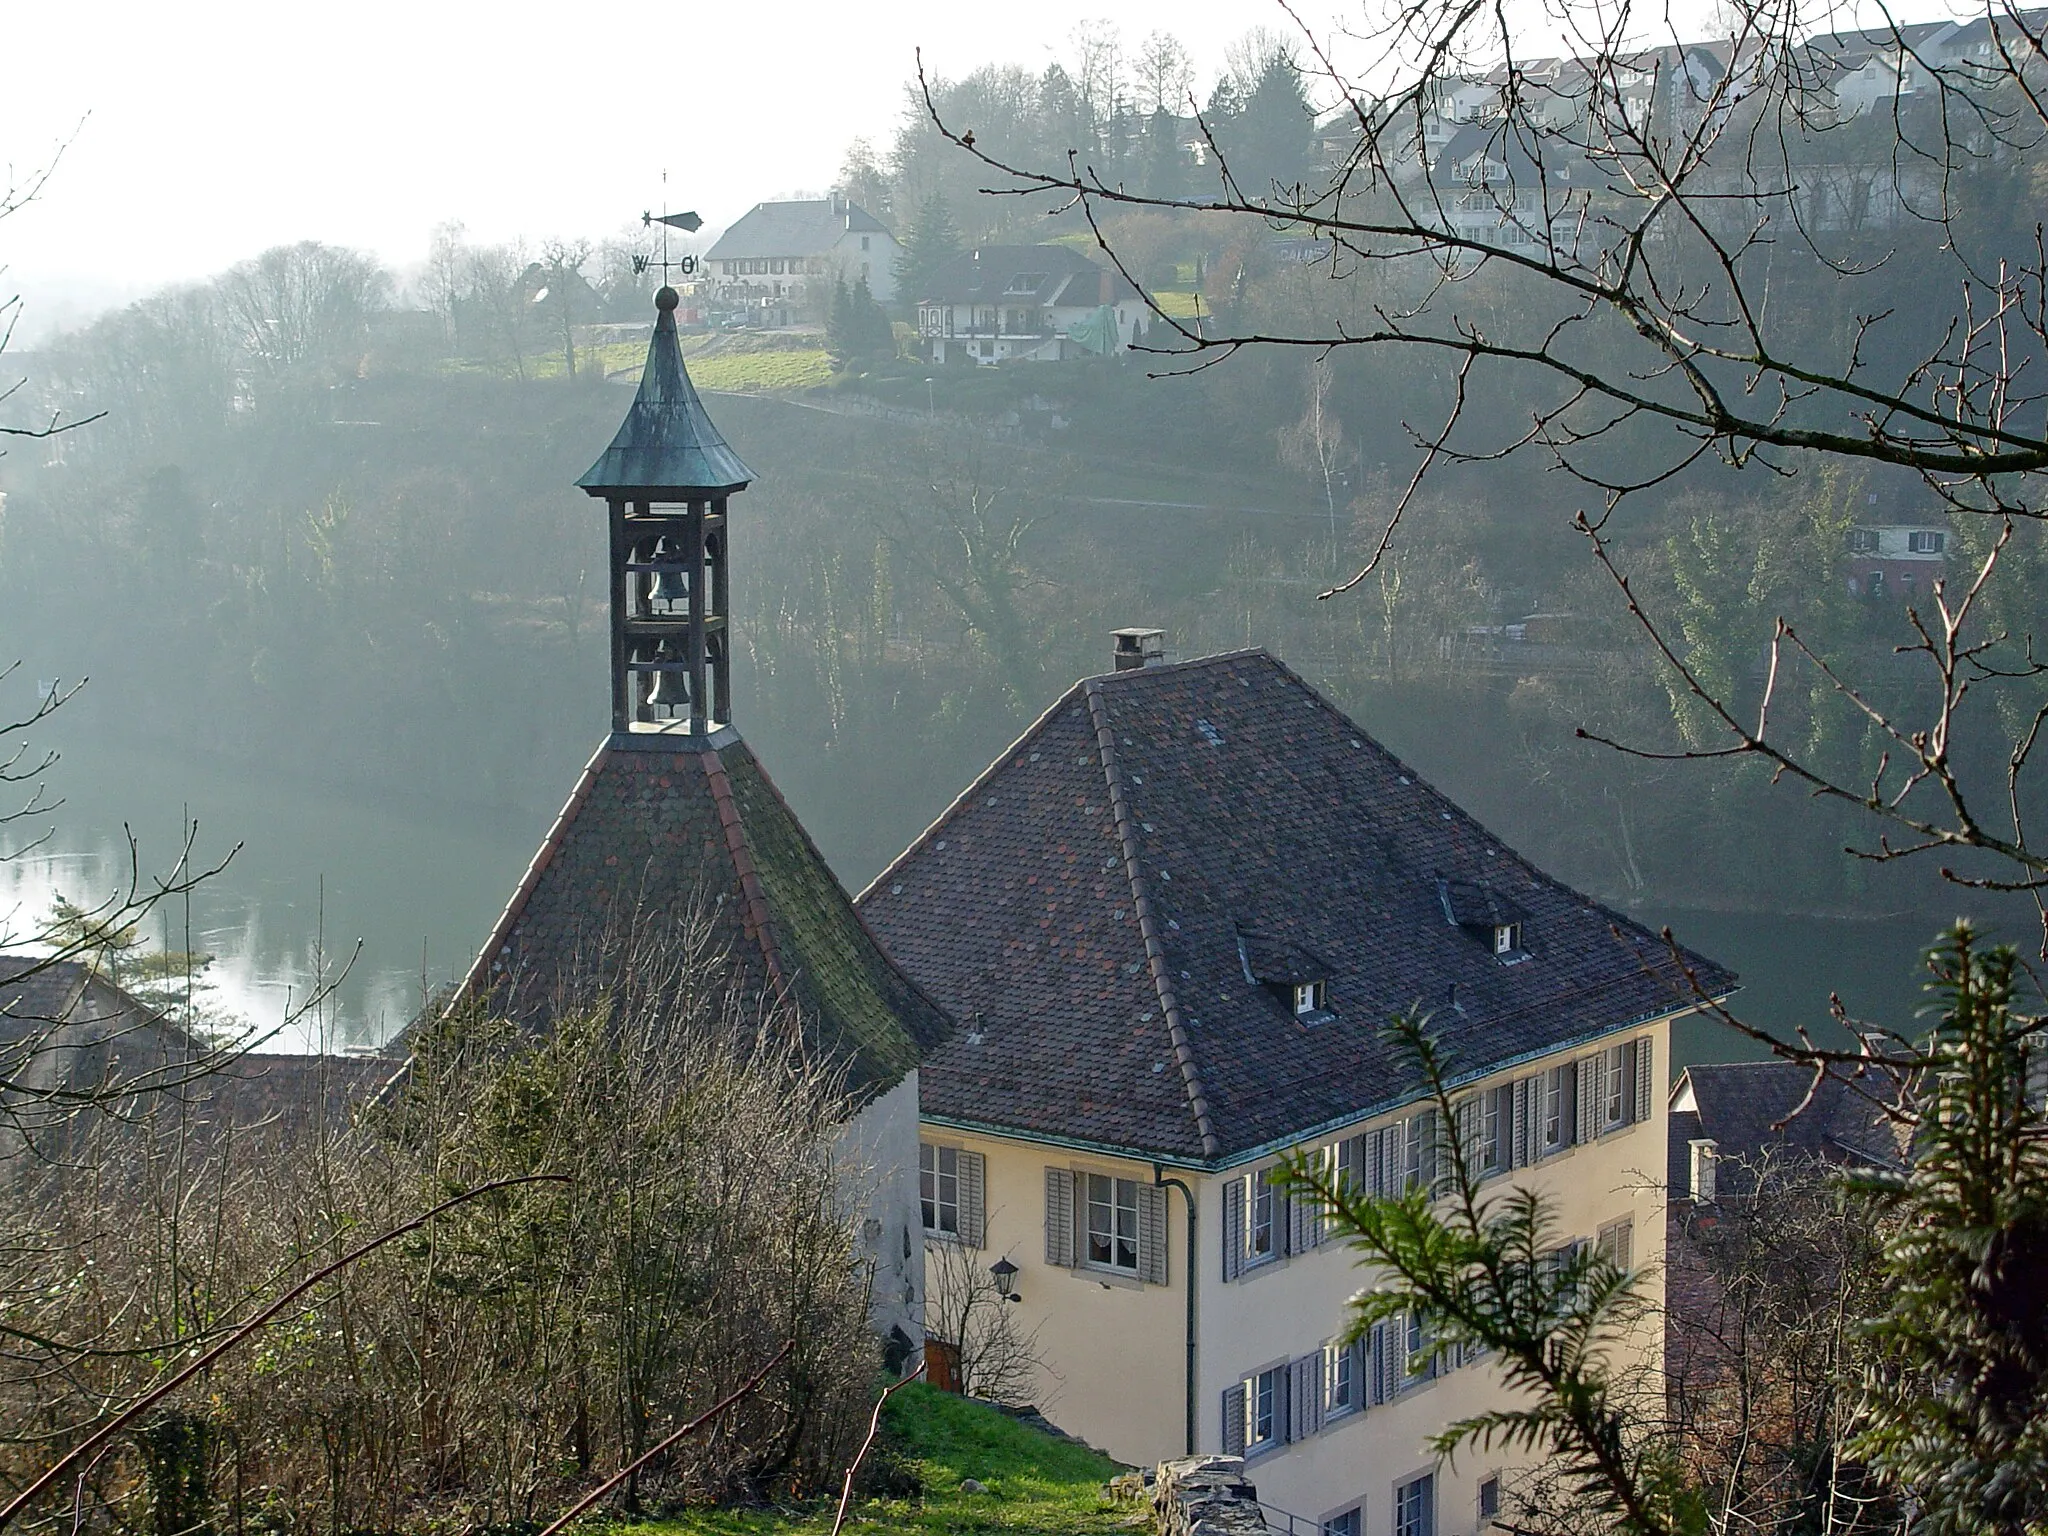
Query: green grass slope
1037	1486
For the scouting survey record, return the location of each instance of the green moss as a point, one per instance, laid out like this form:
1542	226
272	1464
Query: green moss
1036	1484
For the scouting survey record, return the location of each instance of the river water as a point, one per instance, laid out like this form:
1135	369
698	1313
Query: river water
403	894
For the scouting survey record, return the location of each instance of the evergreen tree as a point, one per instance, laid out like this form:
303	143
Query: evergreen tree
932	241
1166	172
1272	140
841	341
874	338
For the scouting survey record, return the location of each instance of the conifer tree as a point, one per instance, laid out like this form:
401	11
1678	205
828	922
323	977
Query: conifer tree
932	241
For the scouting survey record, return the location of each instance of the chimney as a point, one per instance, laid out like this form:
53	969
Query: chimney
1137	648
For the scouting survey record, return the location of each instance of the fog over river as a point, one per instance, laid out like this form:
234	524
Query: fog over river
419	884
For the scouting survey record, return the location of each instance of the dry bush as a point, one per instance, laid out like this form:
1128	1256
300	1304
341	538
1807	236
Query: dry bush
477	1373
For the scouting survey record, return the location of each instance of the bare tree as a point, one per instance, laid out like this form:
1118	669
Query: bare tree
1630	239
994	1357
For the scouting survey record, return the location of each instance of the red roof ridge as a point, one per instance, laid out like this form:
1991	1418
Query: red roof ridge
1148	928
756	920
479	978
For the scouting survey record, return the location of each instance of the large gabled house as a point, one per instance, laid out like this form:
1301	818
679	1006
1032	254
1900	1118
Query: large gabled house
778	262
1027	303
1171	922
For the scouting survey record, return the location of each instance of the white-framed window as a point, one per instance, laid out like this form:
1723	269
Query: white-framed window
1617	1078
1415	1506
1341	1371
1926	542
1113	1223
1489	1498
1507	938
1265	1410
938	1187
1310	997
1862	541
1346	1522
1559	1085
1262	1219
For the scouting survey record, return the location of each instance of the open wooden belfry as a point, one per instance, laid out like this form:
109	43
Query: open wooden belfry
666	479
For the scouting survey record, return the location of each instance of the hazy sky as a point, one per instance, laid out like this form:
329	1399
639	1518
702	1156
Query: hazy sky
214	128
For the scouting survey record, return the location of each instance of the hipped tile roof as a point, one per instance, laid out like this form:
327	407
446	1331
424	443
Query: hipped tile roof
1088	909
656	836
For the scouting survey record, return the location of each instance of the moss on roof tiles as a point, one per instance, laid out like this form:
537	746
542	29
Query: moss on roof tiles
855	993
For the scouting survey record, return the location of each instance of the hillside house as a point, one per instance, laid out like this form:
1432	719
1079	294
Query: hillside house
1027	303
778	262
1171	921
1734	1127
1895	559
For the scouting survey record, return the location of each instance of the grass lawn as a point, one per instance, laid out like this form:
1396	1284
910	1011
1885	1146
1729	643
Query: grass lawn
1180	306
1037	1486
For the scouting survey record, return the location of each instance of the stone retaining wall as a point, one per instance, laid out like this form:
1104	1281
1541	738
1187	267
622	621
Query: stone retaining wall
1200	1496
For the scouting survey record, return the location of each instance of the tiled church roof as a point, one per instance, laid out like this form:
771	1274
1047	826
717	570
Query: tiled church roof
1091	909
657	835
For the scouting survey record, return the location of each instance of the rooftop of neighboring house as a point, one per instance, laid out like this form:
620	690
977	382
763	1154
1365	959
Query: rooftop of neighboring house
1754	1109
108	1037
1128	914
804	228
1055	276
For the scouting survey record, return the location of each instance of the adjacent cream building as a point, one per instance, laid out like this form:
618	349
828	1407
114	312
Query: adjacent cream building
1171	921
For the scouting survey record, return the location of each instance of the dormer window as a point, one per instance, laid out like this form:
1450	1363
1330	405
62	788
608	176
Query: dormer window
1507	939
1311	999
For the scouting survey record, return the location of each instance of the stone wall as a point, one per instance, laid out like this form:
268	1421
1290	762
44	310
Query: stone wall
1205	1496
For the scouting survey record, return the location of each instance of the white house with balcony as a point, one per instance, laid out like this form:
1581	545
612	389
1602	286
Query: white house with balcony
1032	303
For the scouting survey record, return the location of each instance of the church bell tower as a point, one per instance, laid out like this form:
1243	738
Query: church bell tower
667	479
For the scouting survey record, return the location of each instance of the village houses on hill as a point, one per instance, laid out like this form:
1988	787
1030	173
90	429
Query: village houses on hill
1030	303
1170	923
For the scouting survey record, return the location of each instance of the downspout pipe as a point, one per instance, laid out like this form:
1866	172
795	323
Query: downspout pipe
1159	1176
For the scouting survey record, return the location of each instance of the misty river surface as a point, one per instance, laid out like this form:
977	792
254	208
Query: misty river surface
419	886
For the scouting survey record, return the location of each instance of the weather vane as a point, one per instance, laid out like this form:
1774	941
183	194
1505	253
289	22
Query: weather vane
689	223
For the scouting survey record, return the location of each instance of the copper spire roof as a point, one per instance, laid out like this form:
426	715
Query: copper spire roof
667	442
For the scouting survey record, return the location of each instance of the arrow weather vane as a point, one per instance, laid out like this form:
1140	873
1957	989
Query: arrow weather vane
689	223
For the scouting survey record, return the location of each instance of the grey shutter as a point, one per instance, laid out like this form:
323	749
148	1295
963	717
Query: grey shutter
1306	1375
1304	1222
1527	1106
1233	1228
1588	1098
1233	1420
1646	1078
1152	1219
1059	1217
972	1175
1283	1404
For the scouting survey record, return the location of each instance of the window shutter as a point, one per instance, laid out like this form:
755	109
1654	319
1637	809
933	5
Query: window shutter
1589	1098
972	1169
1059	1217
1283	1403
1233	1228
1152	1219
1646	1079
1527	1105
1233	1420
1304	1219
1307	1374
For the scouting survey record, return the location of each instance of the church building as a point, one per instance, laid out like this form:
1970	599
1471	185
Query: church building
674	822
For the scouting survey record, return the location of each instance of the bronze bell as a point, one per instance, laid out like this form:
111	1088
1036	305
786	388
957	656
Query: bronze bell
669	590
668	689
